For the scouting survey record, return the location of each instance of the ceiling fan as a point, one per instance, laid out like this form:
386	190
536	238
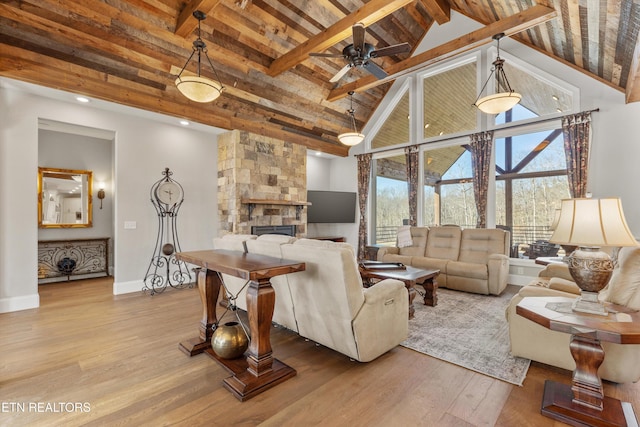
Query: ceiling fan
360	53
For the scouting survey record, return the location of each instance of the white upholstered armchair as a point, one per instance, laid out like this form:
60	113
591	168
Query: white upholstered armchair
333	309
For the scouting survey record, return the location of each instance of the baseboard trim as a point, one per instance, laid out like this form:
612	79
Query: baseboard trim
26	302
127	287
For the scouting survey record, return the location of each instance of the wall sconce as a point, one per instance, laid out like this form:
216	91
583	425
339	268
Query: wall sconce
101	193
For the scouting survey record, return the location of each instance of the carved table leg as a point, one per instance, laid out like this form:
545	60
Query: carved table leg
411	288
263	371
584	402
209	286
431	292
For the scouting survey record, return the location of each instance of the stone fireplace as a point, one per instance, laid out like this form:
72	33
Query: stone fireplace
261	182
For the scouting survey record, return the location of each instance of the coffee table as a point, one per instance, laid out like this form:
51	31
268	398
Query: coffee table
410	276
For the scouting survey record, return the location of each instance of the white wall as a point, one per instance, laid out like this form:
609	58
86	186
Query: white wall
72	151
143	148
335	174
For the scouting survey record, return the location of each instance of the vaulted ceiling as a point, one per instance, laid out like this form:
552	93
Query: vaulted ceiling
129	52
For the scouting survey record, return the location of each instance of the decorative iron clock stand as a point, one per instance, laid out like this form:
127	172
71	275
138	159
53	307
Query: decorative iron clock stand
165	269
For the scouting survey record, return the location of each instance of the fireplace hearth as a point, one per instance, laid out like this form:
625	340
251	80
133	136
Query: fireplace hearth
287	230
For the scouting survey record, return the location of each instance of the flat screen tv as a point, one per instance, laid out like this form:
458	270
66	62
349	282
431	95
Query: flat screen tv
331	206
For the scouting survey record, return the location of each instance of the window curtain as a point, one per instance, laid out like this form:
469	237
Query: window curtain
412	154
481	145
576	129
364	175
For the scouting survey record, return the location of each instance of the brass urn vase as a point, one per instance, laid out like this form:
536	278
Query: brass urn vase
229	341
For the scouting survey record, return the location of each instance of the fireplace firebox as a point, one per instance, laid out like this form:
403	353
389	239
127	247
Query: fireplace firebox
287	230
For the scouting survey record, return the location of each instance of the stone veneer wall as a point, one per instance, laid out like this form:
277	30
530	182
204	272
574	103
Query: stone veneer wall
257	167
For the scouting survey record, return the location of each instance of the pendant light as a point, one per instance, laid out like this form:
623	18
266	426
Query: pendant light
196	87
499	102
355	137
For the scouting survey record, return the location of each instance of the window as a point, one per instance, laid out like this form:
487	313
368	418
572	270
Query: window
446	96
539	97
395	129
391	198
531	180
448	189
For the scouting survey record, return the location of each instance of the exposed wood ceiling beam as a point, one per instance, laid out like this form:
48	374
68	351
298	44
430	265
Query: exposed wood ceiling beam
632	92
440	10
184	25
511	25
367	14
50	72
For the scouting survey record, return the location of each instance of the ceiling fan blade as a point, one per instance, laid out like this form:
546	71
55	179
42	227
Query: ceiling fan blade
375	69
358	36
327	55
340	73
391	50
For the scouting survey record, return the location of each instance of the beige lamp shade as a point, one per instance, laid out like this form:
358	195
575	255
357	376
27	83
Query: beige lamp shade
351	138
556	219
198	88
498	102
592	223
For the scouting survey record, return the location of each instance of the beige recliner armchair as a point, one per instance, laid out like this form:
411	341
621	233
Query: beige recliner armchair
333	309
532	341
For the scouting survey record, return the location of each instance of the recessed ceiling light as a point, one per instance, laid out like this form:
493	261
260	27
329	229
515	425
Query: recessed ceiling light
82	99
558	110
184	122
554	97
441	133
318	153
426	126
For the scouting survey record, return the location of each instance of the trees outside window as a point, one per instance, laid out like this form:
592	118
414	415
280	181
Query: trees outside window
531	180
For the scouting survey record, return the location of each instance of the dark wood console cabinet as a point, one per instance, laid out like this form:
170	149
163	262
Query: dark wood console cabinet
82	258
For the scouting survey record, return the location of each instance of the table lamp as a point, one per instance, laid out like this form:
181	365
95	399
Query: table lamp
591	224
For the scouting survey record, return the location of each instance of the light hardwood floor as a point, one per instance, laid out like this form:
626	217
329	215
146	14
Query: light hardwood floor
117	357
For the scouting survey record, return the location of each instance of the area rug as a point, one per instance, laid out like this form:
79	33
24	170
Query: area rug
468	330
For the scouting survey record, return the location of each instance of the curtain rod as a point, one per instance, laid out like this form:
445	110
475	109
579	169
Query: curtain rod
513	126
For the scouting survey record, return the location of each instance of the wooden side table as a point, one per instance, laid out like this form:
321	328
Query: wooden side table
259	371
583	402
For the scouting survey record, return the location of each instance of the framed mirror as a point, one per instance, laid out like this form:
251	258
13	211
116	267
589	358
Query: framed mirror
64	198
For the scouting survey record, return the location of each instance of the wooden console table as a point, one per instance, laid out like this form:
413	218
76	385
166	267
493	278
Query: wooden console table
73	257
260	370
583	402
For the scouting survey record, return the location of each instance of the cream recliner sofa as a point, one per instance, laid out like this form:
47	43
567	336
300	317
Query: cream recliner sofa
327	303
471	260
532	341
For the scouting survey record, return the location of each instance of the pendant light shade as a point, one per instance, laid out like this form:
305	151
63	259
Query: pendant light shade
498	102
351	138
197	87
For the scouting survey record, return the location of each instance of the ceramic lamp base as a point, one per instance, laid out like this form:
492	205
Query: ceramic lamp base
591	269
588	302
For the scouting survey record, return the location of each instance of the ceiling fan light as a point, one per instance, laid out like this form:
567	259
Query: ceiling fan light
351	138
498	102
198	88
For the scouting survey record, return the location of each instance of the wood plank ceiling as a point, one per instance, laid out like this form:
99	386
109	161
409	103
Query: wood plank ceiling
128	52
